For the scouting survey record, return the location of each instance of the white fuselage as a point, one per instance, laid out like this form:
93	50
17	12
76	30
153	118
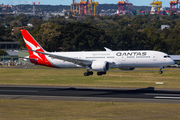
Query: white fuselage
118	58
99	61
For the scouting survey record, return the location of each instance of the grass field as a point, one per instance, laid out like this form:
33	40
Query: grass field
69	110
140	78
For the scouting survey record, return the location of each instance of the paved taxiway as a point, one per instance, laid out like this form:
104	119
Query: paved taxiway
147	95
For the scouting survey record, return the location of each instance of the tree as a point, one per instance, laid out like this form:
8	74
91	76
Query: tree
155	40
173	42
2	32
82	36
36	21
130	39
59	20
3	52
48	35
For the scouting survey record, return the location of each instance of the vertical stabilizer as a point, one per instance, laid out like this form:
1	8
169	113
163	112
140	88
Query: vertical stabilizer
32	44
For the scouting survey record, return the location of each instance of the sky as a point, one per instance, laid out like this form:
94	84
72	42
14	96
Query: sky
165	3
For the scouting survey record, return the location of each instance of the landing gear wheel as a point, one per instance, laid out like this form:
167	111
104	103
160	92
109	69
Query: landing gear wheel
101	73
90	73
160	72
98	73
86	74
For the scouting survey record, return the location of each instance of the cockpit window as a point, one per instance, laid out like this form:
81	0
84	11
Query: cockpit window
167	56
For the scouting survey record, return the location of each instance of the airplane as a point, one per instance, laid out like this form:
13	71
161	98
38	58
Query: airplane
99	61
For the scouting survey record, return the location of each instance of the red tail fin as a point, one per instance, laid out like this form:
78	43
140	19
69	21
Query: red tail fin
32	44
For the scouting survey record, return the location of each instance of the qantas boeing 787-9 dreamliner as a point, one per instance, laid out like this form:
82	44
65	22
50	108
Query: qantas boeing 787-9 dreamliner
99	61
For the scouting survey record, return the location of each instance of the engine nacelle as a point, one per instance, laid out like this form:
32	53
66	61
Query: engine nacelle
101	66
127	68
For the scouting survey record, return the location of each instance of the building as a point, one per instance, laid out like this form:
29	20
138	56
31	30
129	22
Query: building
9	45
57	13
176	58
12	55
164	26
23	53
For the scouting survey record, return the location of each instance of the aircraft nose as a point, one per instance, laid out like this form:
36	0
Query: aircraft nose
172	61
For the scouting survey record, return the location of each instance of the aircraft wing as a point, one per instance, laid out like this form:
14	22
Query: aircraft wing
77	61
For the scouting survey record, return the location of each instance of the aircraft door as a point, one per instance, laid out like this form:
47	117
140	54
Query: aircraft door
123	59
154	57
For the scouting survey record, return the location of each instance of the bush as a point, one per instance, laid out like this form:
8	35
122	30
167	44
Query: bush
3	52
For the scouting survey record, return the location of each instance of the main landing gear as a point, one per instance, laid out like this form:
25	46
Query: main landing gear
160	71
88	73
101	73
91	73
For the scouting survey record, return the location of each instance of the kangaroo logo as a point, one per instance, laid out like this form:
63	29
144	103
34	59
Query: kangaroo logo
33	48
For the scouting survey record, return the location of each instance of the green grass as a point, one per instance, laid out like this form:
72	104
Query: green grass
83	110
63	110
140	78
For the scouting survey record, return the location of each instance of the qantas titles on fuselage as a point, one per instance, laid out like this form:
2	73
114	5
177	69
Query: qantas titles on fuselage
99	61
131	54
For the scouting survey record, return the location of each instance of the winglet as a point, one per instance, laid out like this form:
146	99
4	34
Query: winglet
107	49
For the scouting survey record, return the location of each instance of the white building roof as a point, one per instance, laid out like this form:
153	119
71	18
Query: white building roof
175	57
12	52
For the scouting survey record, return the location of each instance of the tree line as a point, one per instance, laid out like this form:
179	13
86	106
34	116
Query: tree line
96	32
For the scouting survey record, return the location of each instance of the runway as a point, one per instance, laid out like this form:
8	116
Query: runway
144	95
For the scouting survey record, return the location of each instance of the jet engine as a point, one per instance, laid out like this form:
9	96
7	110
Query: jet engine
101	66
127	68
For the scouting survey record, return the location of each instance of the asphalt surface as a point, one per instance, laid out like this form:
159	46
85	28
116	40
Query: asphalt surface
144	95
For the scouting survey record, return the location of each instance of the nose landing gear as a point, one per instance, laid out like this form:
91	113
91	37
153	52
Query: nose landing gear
160	71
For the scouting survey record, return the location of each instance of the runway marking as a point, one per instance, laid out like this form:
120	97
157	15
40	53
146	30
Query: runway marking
18	91
163	94
161	97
